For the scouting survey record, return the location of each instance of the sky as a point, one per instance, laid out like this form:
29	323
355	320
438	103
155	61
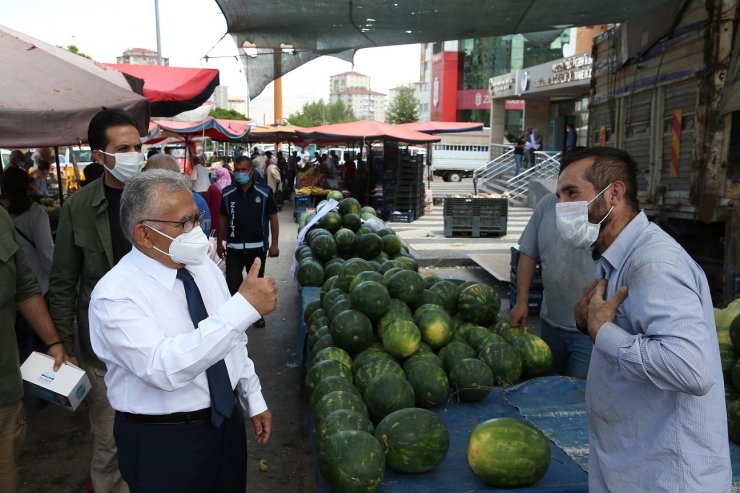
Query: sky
190	30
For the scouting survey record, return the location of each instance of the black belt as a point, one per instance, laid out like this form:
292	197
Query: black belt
173	418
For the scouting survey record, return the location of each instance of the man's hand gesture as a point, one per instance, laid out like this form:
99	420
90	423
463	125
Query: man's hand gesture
261	293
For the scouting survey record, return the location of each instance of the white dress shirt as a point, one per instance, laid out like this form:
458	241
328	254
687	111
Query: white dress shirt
141	329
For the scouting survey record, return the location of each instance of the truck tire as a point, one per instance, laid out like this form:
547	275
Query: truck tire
453	176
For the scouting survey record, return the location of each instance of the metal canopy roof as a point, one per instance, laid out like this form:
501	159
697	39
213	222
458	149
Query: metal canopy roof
338	27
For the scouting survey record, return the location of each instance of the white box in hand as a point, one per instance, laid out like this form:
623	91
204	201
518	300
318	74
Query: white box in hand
65	387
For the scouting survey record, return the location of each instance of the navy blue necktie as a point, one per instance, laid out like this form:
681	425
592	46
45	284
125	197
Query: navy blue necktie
219	384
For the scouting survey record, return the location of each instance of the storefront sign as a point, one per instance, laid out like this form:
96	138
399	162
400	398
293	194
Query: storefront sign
473	99
514	104
502	85
571	69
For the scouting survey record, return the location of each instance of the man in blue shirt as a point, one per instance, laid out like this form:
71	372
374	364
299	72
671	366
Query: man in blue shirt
249	225
654	393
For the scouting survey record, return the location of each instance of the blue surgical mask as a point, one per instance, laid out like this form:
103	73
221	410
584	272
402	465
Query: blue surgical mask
212	177
242	178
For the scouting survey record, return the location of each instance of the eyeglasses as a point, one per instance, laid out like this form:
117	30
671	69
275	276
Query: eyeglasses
194	221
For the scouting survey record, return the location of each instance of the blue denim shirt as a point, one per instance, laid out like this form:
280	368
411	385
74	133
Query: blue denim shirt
655	394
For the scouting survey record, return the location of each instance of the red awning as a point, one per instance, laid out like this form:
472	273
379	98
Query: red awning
442	127
172	90
364	130
219	130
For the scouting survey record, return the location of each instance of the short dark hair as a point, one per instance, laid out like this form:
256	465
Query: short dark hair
242	159
102	121
15	183
610	165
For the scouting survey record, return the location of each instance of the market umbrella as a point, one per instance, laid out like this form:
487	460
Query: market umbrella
275	133
364	130
172	90
434	128
219	130
48	95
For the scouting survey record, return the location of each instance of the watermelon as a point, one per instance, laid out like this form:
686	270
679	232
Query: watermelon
536	355
336	195
401	338
352	331
352	222
316	315
371	298
504	361
316	232
731	394
478	303
341	305
323	247
338	399
512	332
426	308
429	381
386	393
369	354
453	353
302	252
331	221
345	241
375	265
388	318
735	332
467	284
310	308
368	245
331	297
428	298
407	262
342	420
331	384
422	357
414	440
471	379
310	273
349	270
368	275
368	210
733	421
326	368
480	341
352	461
328	285
399	306
448	292
391	244
735	375
323	342
349	205
406	285
727	356
430	280
508	453
374	368
436	327
388	273
332	267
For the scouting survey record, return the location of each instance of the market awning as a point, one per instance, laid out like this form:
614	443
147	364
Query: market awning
275	133
308	29
219	130
364	130
434	128
48	95
172	90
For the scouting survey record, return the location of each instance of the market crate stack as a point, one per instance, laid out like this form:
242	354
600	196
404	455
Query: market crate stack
475	216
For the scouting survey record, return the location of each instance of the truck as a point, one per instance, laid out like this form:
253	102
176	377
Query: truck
666	88
458	155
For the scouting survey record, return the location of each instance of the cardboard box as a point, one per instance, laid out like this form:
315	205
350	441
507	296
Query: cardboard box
66	387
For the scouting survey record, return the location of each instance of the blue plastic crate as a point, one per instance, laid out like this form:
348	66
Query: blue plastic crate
402	216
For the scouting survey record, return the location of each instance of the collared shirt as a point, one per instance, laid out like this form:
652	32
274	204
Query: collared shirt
566	271
655	394
248	215
141	329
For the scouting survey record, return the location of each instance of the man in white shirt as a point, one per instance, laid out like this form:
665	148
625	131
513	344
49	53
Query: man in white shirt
172	430
199	176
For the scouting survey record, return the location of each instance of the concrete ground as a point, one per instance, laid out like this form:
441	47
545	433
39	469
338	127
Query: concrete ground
57	450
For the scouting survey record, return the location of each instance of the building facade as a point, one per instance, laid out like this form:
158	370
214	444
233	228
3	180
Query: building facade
353	89
141	56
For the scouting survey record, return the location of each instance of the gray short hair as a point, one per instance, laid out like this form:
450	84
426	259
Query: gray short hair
140	199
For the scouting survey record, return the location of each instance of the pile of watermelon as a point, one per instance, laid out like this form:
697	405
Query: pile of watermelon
727	323
388	344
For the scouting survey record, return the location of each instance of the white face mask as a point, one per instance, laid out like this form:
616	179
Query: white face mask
187	248
573	224
128	164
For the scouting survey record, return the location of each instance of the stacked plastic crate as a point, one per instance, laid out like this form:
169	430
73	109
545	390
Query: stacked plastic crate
409	187
475	217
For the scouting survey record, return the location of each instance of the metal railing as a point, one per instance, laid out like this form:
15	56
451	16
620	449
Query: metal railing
501	164
547	165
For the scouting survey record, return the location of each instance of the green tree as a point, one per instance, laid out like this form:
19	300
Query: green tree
76	51
319	113
405	107
227	114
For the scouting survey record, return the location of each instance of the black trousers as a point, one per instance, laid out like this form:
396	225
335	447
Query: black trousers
191	457
237	261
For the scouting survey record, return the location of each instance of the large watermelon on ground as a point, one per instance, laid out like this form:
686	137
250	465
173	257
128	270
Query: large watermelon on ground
536	355
478	303
342	420
391	244
338	399
335	353
401	338
380	366
371	353
422	357
349	270
448	292
332	384
508	453
331	221
371	298
368	275
453	353
414	440
352	222
352	461
471	379
351	331
504	361
387	393
326	368
436	327
350	205
323	247
407	262
406	285
310	273
429	381
345	240
368	246
315	232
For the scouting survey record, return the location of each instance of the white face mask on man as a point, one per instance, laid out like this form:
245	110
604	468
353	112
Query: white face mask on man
188	248
573	224
128	164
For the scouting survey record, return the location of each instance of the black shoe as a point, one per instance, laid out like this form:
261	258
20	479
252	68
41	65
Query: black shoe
260	324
